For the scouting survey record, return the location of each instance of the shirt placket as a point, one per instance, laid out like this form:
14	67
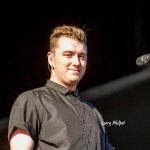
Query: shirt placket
81	112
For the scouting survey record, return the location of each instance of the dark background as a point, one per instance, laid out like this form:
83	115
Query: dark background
118	33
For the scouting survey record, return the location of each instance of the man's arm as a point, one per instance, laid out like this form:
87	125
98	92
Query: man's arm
21	140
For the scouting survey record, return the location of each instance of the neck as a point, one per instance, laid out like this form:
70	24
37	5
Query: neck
71	87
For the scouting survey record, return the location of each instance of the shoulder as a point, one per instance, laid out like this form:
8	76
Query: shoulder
88	103
32	95
35	92
94	108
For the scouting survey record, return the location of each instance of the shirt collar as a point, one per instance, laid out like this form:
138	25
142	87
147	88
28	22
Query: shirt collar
60	88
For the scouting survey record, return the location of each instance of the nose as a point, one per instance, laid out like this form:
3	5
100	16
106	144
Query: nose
76	60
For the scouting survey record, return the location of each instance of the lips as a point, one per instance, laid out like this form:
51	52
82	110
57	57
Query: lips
75	70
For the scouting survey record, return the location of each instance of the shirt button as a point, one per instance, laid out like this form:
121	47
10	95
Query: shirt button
89	141
84	121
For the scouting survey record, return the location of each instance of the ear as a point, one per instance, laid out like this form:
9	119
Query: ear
50	56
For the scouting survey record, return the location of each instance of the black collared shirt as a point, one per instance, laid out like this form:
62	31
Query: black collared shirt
58	119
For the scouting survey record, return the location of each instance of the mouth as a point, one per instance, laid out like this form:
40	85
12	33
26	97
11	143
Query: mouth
75	70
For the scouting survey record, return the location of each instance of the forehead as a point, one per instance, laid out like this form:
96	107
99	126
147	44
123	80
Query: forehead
65	43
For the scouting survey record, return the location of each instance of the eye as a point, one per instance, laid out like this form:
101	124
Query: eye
82	56
68	54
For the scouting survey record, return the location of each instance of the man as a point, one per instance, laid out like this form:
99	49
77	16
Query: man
54	117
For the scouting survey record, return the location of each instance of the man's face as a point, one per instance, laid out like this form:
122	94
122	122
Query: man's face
69	61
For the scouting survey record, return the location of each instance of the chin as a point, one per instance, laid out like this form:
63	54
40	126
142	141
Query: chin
74	80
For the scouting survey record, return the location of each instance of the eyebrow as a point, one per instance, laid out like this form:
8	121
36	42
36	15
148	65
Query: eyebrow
71	51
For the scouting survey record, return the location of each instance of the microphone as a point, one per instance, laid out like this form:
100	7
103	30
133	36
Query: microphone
143	60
